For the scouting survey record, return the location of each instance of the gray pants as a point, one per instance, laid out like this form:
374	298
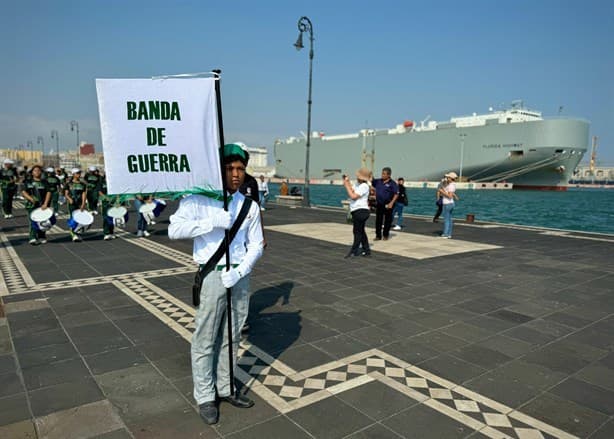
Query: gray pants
210	338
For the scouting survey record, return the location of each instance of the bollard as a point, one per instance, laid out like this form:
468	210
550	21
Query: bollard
470	217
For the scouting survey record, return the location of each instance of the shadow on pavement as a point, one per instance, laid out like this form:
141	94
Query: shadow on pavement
270	327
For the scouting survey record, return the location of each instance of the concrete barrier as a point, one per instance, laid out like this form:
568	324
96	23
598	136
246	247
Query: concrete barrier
289	200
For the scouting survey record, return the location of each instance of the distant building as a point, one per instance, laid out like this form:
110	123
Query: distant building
258	157
22	156
87	148
259	162
600	174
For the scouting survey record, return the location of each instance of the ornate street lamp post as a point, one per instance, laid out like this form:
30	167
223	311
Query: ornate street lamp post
41	142
74	126
304	25
55	135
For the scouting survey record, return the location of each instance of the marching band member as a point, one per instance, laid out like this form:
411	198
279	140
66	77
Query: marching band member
75	191
37	194
8	182
92	179
141	225
204	220
107	224
55	186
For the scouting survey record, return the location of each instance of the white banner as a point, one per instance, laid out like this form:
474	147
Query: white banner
159	135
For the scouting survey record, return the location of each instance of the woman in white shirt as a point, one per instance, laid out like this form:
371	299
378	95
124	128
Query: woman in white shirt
359	208
449	194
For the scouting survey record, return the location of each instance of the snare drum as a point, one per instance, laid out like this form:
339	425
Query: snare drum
80	221
42	220
117	216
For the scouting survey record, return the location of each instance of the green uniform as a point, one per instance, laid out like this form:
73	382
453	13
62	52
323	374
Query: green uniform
92	180
107	223
8	183
55	187
75	190
38	190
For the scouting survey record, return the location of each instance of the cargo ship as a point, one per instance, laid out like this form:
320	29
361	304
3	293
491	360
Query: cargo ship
514	145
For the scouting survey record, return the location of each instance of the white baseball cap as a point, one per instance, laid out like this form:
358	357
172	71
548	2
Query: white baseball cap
74	171
49	169
92	168
8	162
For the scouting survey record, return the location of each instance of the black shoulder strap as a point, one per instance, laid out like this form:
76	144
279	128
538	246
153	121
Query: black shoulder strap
231	234
204	270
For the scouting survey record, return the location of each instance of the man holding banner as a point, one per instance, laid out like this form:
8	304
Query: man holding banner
204	219
162	136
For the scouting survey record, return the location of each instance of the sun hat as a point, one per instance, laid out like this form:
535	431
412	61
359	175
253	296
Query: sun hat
363	174
451	175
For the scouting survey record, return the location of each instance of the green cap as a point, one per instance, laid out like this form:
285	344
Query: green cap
234	149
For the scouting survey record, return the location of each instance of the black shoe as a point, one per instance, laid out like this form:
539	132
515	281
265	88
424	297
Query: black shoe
366	254
209	413
241	401
378	238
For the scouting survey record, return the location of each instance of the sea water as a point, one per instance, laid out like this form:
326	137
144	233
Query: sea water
590	210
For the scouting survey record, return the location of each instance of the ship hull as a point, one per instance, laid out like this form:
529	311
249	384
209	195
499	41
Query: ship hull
535	154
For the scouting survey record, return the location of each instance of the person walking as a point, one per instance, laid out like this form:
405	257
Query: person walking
92	179
204	220
439	200
108	226
55	186
8	183
141	225
359	208
386	194
448	192
75	191
263	191
36	193
400	204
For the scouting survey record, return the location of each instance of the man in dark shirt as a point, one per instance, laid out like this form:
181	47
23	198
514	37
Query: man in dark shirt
386	194
8	182
400	204
249	188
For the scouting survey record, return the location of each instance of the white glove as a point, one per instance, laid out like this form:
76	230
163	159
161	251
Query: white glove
221	220
230	278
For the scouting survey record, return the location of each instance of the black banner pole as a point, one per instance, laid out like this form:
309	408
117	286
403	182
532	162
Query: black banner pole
220	124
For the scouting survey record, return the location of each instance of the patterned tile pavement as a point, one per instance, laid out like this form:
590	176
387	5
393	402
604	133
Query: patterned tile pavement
281	386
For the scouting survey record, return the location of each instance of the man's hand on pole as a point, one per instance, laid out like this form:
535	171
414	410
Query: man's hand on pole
231	277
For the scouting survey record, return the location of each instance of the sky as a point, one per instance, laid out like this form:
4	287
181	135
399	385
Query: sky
376	63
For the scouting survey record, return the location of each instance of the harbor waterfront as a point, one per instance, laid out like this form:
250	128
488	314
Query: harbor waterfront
499	332
589	210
